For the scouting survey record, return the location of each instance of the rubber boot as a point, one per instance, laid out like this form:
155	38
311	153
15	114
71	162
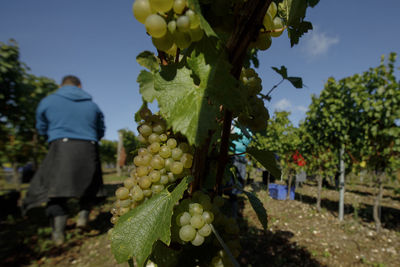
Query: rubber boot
59	223
83	219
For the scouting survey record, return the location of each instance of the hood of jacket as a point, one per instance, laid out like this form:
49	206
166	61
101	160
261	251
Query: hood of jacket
74	93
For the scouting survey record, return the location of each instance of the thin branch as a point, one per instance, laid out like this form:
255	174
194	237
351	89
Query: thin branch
273	88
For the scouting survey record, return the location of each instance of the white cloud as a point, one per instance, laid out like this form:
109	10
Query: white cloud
283	104
302	109
318	43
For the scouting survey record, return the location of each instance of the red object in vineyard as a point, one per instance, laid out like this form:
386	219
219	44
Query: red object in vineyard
298	159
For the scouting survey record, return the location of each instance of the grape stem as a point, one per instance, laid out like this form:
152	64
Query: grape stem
178	50
268	95
275	30
237	45
237	154
225	247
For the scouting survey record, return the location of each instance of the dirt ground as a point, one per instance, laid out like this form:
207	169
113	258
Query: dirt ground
297	234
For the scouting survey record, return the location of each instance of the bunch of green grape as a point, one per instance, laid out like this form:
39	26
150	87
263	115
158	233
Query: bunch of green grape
170	23
274	27
256	116
162	162
193	220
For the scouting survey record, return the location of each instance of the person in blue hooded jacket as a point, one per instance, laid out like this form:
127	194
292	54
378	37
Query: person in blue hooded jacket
73	124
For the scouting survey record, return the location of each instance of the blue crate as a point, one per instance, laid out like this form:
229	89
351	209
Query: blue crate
277	191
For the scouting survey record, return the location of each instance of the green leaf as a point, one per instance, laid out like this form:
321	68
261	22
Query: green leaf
137	231
146	85
183	104
296	81
265	158
148	60
165	256
258	208
208	30
282	71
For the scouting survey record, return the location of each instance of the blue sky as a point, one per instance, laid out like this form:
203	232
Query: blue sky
98	41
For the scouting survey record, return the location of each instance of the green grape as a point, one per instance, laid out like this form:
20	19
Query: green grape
142	139
263	42
173	50
171	177
122	193
197	221
147	192
183	218
159	128
153	138
176	167
208	216
187	160
176	153
164	44
268	22
183	23
162	5
154	148
125	203
117	203
171	143
155	176
272	9
165	152
196	34
168	163
164	179
137	193
187	233
205	201
171	26
156	25
144	112
142	170
129	182
193	18
218	201
278	24
184	147
144	182
182	39
198	240
146	159
205	230
157	188
157	162
145	130
114	211
141	10
122	211
195	208
179	6
163	137
114	219
138	161
142	151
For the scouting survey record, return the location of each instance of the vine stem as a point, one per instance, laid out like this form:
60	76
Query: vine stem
247	26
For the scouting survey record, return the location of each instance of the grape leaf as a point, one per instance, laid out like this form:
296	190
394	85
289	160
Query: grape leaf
266	158
282	71
183	104
146	85
258	208
296	81
137	231
208	30
148	60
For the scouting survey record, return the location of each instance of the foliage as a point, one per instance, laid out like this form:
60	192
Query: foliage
131	144
108	151
21	93
200	85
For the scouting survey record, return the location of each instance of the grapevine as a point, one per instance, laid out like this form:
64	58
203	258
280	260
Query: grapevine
172	209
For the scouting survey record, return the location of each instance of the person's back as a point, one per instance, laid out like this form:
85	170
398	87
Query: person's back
73	124
69	113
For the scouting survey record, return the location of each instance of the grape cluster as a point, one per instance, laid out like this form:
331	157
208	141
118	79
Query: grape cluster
256	115
162	162
193	219
273	24
170	23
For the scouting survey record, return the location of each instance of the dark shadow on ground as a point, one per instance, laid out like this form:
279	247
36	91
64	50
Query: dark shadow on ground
24	240
369	194
390	216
